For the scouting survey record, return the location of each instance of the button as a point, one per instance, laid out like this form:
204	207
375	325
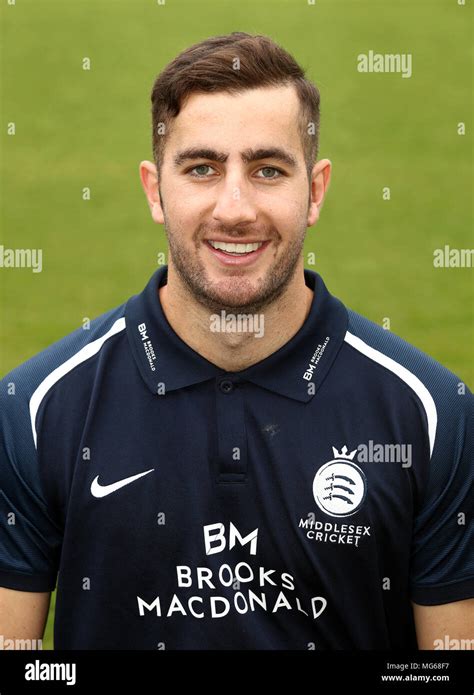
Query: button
226	386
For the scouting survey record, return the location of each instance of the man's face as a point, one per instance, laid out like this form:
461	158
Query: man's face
234	173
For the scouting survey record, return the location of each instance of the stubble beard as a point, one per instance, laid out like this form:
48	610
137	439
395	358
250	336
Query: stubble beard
243	297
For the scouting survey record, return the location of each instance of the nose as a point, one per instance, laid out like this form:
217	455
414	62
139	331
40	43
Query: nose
234	204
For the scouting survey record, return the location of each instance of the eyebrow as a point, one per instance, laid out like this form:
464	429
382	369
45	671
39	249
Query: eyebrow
248	155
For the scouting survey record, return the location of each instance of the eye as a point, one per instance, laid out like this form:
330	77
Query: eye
199	174
270	169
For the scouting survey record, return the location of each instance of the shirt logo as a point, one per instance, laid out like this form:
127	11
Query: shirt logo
340	486
99	490
313	363
147	346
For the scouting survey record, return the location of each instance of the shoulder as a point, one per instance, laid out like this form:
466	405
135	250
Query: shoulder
390	350
23	389
446	400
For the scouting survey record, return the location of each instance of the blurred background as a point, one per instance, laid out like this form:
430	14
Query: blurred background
402	168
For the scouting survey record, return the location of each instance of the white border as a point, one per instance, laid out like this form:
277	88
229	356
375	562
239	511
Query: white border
408	377
81	356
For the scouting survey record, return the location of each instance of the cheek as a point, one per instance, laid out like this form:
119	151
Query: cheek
180	215
185	210
288	215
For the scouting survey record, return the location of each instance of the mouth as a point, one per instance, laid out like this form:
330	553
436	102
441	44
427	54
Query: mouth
236	253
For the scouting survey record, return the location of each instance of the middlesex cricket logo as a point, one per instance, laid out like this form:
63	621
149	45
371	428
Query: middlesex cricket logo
340	486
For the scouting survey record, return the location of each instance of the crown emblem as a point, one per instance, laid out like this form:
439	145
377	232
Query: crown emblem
343	453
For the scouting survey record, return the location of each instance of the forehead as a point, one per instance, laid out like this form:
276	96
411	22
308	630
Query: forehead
270	114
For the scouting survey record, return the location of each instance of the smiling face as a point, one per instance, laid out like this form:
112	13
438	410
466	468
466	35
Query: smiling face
236	198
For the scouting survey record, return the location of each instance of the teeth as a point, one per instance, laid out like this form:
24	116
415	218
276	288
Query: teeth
235	248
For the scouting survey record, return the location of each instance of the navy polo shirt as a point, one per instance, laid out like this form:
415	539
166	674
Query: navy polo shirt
301	503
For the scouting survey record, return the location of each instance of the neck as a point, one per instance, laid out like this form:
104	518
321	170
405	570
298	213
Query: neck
231	350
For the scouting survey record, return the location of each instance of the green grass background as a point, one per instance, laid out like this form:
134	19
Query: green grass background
77	129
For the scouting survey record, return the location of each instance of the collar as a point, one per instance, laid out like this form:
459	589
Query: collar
166	363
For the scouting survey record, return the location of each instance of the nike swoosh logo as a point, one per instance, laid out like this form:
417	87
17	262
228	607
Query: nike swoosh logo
99	490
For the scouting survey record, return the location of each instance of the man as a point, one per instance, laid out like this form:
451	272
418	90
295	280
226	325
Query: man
232	459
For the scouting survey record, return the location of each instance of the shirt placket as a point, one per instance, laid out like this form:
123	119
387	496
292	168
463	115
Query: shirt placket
231	431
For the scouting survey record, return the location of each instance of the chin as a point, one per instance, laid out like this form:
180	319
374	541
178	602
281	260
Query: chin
234	293
234	301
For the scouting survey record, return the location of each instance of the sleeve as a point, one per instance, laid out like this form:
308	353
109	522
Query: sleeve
442	560
30	540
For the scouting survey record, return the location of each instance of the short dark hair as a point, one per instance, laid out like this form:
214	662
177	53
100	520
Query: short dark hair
210	66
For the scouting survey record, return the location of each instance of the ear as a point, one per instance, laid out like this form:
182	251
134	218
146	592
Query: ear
320	177
150	183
